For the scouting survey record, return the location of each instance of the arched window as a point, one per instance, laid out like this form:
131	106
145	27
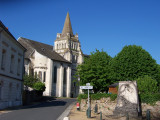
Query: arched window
65	76
40	75
44	76
55	74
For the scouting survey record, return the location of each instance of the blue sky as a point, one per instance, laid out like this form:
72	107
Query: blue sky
101	24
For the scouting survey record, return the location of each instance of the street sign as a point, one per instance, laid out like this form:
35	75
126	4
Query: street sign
86	87
87	84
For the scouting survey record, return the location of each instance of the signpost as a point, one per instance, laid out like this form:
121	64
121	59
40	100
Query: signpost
87	87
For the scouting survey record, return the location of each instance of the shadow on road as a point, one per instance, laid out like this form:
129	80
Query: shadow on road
44	102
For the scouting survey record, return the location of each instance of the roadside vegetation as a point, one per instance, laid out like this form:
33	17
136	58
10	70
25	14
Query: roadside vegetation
131	63
33	82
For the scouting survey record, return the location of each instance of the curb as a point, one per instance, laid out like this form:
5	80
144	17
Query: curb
66	112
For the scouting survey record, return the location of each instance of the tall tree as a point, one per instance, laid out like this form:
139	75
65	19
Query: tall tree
133	62
95	70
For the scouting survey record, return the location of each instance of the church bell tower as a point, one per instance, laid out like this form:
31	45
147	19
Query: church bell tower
67	44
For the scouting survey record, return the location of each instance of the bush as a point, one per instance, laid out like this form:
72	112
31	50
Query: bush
148	89
39	86
30	80
97	96
150	98
147	85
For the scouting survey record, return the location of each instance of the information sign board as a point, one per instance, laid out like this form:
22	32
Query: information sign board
86	87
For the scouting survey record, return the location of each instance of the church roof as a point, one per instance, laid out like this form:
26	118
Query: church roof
44	49
67	26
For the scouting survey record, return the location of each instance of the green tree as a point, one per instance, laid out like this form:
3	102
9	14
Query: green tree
30	80
132	62
148	89
96	70
147	84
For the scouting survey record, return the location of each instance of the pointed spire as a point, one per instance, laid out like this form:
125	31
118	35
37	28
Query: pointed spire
67	26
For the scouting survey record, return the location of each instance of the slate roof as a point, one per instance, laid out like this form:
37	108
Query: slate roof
3	27
114	85
44	49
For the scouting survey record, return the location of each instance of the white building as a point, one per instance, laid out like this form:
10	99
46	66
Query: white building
11	69
55	66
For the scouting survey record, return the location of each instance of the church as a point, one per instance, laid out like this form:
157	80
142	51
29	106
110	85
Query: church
55	65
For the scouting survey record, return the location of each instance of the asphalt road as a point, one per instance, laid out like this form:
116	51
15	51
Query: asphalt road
49	110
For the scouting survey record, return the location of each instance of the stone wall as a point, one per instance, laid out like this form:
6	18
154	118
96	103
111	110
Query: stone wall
106	106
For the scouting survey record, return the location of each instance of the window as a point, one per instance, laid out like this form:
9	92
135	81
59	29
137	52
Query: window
10	91
3	59
44	77
31	71
65	76
1	84
19	67
65	45
18	92
40	75
12	64
55	74
35	74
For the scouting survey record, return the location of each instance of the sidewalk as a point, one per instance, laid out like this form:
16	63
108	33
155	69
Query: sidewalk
79	115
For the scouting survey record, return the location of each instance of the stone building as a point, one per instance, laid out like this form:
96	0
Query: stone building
11	69
55	65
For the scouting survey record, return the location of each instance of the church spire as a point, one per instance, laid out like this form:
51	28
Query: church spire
67	26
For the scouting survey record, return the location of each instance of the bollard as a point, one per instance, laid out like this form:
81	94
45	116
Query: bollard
148	117
100	115
78	106
96	109
89	112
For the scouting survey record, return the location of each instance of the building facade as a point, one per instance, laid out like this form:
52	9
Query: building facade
11	69
55	65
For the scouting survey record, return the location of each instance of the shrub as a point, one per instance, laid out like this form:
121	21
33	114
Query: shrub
147	85
39	86
148	89
150	98
30	80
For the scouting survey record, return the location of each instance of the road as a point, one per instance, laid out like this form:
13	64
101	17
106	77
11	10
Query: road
49	110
